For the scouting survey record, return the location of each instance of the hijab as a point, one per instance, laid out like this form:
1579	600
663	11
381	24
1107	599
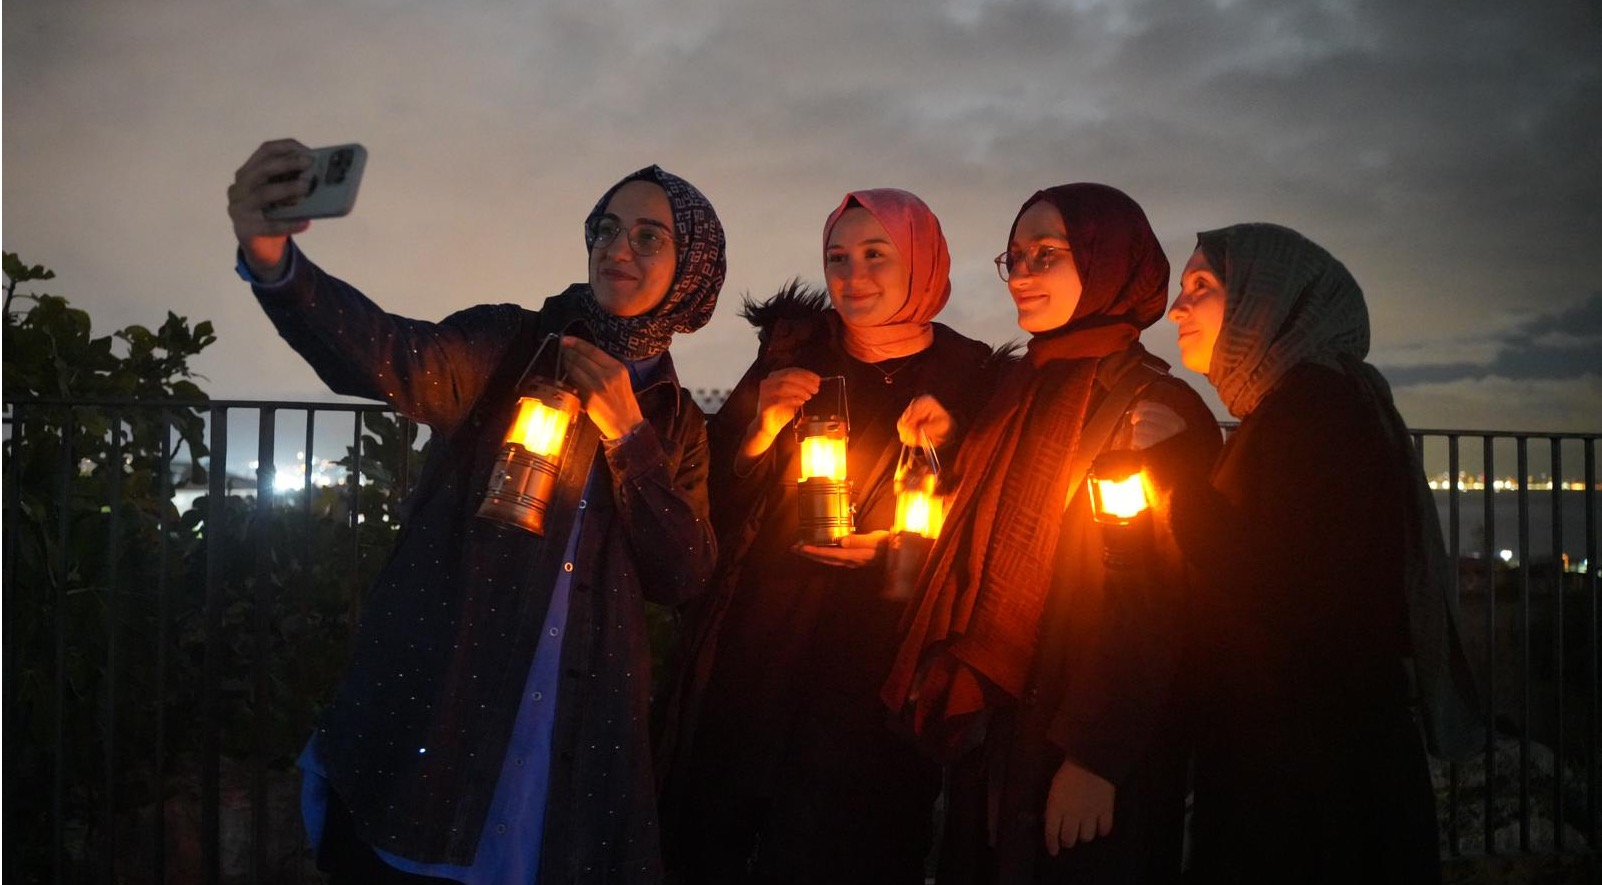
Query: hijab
1288	301
697	276
973	628
916	233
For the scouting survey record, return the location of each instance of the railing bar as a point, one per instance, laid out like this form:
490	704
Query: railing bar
211	742
1559	590
403	486
1525	627
1489	470
163	613
1454	540
113	627
355	482
307	573
1592	567
58	841
266	475
10	623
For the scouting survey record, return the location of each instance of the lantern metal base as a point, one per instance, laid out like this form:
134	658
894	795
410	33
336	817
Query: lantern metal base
825	510
908	552
520	489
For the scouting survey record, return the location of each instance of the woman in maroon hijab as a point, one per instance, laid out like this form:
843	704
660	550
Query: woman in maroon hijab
780	763
1044	673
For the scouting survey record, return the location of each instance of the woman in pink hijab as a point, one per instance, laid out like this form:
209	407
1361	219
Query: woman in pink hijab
778	761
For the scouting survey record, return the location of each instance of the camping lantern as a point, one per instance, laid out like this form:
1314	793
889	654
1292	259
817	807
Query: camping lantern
920	513
822	430
919	510
1118	499
1117	488
525	472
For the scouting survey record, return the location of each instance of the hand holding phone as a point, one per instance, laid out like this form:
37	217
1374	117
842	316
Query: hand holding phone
336	173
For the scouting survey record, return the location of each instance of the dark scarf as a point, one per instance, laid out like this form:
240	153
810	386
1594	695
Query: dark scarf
971	633
698	238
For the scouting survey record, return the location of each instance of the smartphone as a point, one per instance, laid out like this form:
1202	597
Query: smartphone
336	174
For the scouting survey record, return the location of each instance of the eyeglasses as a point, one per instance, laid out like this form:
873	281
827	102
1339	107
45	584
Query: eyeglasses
644	239
1037	260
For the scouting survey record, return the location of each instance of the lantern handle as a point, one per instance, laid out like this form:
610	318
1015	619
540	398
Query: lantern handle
574	326
845	405
928	448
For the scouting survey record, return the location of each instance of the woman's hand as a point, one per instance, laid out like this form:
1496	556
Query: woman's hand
855	551
781	395
1079	807
924	418
276	172
603	385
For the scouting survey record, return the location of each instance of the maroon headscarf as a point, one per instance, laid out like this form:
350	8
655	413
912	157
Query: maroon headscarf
916	233
971	632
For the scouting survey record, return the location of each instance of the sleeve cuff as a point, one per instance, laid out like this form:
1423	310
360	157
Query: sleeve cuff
634	453
243	269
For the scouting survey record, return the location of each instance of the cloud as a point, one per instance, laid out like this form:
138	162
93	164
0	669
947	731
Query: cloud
1556	346
1446	152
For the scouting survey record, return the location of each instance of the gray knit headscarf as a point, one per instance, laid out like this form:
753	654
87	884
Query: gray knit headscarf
1288	302
697	277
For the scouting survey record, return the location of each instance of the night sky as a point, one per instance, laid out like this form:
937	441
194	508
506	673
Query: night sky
1449	153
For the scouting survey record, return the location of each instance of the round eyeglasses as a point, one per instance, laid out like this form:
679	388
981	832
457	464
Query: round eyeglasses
644	238
1037	260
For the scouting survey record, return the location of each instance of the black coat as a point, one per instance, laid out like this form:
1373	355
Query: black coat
778	751
413	742
1309	767
1104	688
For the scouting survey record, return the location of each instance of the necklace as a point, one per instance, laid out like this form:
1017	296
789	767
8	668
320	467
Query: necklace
890	376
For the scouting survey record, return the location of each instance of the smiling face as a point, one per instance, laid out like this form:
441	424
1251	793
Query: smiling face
868	278
1199	312
627	284
1046	298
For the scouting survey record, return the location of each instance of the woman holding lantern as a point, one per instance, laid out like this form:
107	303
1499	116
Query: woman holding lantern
1313	535
1037	661
779	764
492	725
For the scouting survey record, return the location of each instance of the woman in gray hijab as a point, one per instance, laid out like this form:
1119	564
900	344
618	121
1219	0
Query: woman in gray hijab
1318	544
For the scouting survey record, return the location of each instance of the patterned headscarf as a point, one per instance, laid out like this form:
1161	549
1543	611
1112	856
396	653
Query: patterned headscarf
1287	302
916	233
697	276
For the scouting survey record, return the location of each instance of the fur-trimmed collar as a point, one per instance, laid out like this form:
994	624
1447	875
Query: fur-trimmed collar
795	300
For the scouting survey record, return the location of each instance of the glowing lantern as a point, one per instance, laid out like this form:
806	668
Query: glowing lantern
524	475
1117	488
824	492
1119	496
920	512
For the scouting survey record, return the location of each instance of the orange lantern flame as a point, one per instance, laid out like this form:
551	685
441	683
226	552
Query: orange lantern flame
918	509
1118	488
539	428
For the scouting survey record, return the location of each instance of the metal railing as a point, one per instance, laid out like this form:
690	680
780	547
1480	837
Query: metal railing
162	665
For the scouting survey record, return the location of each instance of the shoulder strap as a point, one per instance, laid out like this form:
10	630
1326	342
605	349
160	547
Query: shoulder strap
1104	420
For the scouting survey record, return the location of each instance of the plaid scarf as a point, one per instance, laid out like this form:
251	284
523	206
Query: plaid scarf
698	238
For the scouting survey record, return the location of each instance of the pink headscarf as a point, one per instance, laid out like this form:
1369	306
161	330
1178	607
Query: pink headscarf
917	236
